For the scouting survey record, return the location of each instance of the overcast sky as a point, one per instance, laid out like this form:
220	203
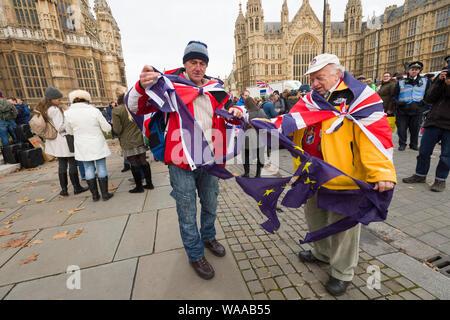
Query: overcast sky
156	32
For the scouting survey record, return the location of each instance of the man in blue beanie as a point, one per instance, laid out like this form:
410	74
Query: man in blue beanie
185	181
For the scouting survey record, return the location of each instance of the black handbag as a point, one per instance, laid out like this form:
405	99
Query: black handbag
70	142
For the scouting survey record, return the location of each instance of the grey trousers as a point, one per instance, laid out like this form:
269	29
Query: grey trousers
340	250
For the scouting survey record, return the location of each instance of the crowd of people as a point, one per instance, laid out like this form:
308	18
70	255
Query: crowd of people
79	143
337	139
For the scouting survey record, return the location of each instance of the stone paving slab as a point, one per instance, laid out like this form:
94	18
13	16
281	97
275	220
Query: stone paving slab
8	252
432	281
374	245
29	191
168	232
168	275
159	198
4	291
43	215
139	236
119	205
94	246
112	281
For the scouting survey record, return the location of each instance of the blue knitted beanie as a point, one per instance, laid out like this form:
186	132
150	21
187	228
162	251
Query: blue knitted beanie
196	50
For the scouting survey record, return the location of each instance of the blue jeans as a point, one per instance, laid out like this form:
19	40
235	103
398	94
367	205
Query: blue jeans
430	138
82	171
90	166
185	184
7	127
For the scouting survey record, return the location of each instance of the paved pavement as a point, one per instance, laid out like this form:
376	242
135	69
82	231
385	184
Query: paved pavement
129	247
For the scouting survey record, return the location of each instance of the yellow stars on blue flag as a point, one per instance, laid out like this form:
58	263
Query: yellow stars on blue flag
306	168
297	162
269	192
308	181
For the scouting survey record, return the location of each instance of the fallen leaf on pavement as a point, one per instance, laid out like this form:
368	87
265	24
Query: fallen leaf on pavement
61	235
25	233
412	188
31	258
76	234
399	231
28	188
8	222
54	191
39	200
33	243
59	211
23	200
112	187
7	227
71	212
79	209
5	233
53	185
2	212
16	215
14	243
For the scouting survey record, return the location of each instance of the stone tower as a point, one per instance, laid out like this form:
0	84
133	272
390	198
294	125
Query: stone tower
109	36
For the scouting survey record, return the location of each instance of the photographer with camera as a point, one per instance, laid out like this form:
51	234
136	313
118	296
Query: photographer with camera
437	128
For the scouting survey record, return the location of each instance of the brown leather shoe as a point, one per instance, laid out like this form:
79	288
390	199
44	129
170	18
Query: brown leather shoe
203	268
216	248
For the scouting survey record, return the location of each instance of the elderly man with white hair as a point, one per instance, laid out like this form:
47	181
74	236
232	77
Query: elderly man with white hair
343	141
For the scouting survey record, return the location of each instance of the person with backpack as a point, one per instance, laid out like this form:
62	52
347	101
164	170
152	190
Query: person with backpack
87	124
53	114
132	143
203	96
8	114
23	112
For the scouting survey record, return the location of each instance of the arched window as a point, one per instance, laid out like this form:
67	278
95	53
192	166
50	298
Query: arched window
257	24
352	26
26	13
251	25
304	52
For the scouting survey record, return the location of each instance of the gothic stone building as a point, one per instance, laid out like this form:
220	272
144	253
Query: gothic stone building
59	43
275	51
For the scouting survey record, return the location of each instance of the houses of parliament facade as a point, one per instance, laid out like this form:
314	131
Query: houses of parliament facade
276	51
59	43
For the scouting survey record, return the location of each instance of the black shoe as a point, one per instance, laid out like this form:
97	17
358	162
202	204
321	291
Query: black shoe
414	148
216	248
402	148
148	177
438	186
415	179
63	181
137	180
203	268
126	167
103	183
258	170
307	256
246	171
92	184
336	287
77	188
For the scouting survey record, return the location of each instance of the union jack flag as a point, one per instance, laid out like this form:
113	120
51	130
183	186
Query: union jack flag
261	84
